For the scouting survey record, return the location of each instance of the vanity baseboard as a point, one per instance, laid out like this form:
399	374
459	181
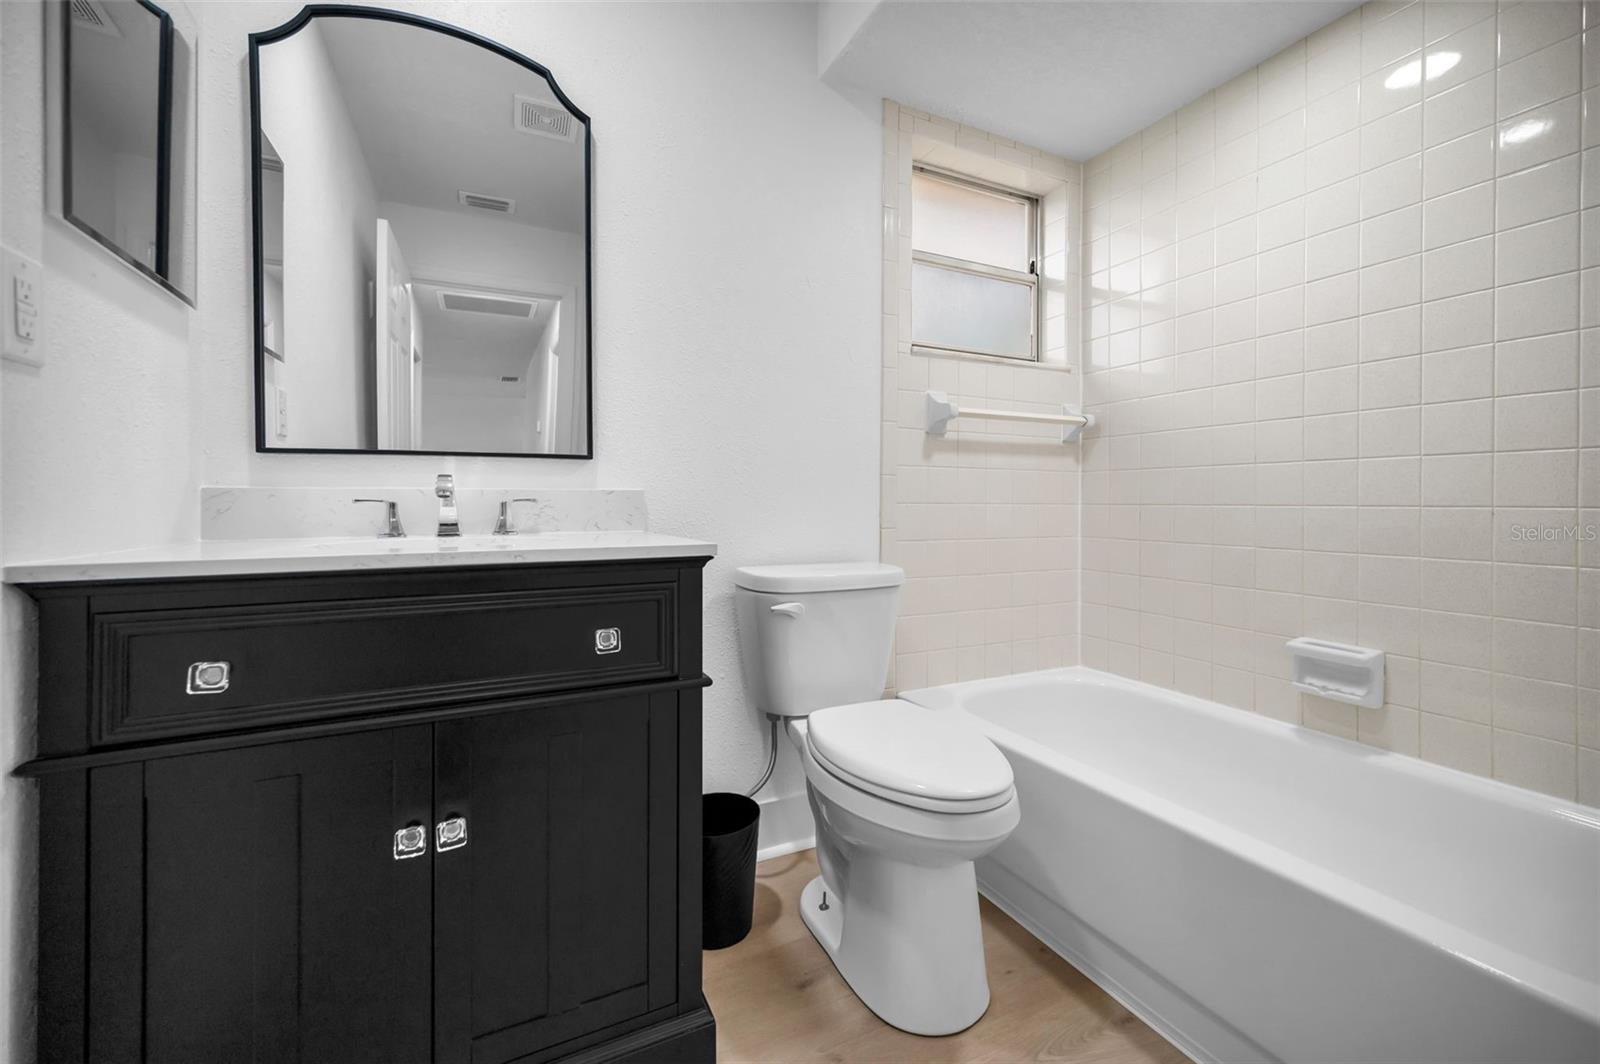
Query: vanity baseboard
688	1038
229	883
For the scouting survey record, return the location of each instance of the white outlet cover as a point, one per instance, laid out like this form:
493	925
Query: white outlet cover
22	285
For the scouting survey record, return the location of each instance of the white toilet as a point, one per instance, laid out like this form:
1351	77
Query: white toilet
905	798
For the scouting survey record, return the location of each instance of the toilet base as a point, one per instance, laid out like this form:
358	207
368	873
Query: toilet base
824	924
909	944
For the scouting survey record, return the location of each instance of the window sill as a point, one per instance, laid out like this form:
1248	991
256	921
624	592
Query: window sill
1000	360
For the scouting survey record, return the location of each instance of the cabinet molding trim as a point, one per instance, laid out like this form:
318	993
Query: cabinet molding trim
46	766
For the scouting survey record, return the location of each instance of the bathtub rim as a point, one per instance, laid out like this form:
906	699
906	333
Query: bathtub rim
1570	993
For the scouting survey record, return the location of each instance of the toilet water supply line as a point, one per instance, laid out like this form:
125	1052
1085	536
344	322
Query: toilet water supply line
772	758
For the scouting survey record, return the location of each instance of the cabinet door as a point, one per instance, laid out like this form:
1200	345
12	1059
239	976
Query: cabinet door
556	922
279	923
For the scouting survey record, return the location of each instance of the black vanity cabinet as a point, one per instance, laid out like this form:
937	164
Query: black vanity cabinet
442	815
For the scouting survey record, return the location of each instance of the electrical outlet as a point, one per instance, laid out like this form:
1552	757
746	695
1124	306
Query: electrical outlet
23	318
22	289
283	414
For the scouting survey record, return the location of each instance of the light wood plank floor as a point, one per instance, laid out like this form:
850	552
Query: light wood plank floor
777	997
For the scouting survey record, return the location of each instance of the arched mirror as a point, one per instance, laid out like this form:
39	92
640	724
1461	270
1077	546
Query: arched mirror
422	242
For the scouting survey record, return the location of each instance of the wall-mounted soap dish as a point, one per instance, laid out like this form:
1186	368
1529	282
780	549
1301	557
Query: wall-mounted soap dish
1337	671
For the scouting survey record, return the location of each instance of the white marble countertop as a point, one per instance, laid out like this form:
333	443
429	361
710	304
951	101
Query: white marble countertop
252	557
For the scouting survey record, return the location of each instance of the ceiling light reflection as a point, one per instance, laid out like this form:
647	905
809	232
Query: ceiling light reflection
1524	131
1440	62
1409	75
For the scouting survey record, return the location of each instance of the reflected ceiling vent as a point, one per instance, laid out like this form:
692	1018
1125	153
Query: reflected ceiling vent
485	202
92	15
542	119
479	303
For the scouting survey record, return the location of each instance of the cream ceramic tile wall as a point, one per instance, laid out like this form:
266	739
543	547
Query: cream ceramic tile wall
1342	337
985	520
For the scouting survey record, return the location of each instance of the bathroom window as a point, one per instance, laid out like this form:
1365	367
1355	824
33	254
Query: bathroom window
974	267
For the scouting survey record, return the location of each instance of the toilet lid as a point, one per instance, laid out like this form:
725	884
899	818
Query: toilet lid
909	750
826	576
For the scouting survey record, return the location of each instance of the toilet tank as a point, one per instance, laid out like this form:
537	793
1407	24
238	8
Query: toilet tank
816	635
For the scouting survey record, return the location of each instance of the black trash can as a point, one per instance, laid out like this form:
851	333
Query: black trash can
729	827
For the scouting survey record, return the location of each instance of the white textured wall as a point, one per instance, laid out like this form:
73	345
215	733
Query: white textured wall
736	322
1344	345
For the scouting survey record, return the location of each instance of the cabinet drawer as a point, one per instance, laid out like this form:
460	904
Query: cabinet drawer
176	672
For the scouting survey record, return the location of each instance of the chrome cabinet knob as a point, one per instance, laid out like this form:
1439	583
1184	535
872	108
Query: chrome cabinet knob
410	841
607	640
451	834
209	677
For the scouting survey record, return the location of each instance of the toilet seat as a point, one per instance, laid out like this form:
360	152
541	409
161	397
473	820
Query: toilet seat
910	755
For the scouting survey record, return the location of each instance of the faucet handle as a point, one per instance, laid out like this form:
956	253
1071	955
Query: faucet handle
444	486
391	515
502	524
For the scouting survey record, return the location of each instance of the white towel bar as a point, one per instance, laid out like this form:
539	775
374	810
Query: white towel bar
941	411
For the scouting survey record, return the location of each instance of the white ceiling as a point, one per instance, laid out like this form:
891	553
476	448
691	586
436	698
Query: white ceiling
433	113
486	346
1072	78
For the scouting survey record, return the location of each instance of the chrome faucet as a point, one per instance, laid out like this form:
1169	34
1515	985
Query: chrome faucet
444	486
503	525
391	513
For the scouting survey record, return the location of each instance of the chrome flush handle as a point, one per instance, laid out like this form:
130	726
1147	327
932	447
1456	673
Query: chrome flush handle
451	834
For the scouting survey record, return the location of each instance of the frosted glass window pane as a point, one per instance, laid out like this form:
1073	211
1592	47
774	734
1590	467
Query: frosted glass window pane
967	223
969	312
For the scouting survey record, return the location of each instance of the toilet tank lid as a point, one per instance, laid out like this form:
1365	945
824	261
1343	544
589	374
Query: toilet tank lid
825	576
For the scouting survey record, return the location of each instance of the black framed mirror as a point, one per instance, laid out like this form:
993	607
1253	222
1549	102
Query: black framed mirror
127	135
422	236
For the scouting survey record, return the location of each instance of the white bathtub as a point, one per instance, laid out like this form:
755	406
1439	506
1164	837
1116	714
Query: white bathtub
1259	891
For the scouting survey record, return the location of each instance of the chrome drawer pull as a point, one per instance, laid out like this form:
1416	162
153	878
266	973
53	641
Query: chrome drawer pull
410	841
209	677
607	640
451	833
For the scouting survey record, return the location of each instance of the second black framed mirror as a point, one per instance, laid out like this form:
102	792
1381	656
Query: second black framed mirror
127	113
